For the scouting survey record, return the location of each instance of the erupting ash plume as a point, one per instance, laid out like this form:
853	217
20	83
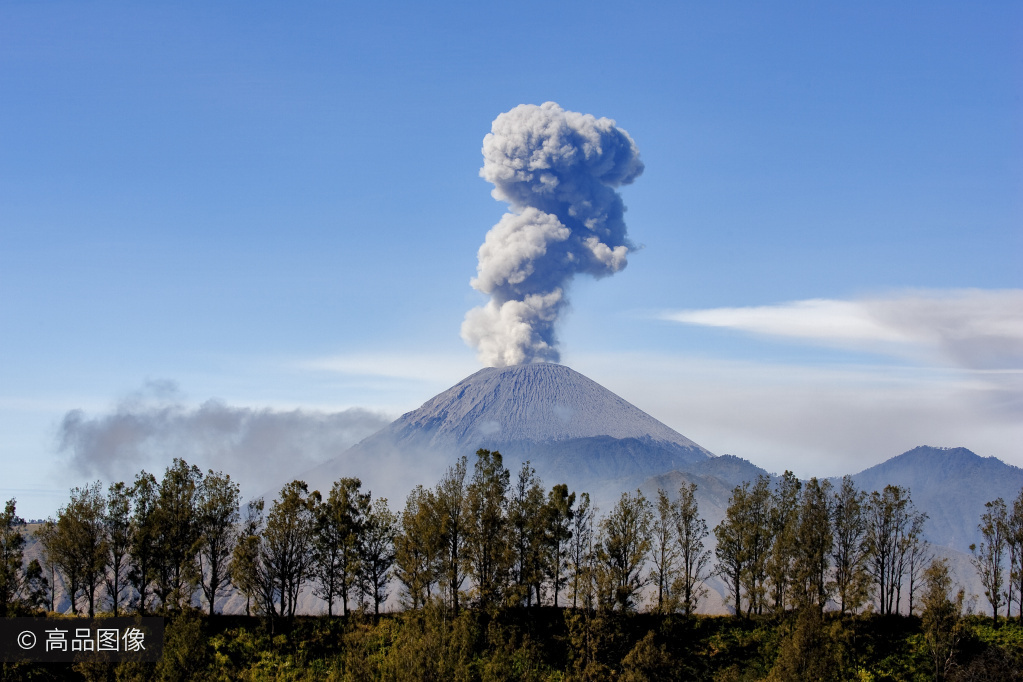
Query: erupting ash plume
558	170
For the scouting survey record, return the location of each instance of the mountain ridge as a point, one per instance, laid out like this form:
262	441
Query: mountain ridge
539	402
566	425
950	485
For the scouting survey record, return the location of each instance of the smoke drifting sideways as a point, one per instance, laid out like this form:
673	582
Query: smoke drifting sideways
558	170
259	448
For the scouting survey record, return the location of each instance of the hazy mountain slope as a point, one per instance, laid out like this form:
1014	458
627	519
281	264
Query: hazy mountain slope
570	428
728	469
540	402
950	485
711	493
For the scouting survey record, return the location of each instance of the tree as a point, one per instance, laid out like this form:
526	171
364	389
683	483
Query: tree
337	539
144	547
813	544
12	544
287	544
217	514
377	552
558	515
744	543
79	546
892	521
61	558
249	572
450	511
759	543
732	551
487	537
941	617
417	547
690	531
86	514
621	551
665	552
1014	545
848	552
527	540
784	526
918	556
987	558
118	534
270	562
580	552
175	533
47	536
35	586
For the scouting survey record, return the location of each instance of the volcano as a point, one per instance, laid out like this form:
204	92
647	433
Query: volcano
571	429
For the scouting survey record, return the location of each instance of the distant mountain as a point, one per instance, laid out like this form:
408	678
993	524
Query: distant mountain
950	485
728	469
571	429
715	479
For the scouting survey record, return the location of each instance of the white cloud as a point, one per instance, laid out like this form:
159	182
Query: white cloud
970	328
815	319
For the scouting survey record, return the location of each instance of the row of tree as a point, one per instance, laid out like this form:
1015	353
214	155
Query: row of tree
808	544
478	537
152	544
999	556
344	545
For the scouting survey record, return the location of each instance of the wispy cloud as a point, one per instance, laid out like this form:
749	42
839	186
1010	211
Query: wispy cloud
432	368
970	328
958	381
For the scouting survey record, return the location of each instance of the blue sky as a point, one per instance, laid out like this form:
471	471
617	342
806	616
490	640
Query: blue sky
278	207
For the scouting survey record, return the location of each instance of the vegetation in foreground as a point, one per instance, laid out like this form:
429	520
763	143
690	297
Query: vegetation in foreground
547	643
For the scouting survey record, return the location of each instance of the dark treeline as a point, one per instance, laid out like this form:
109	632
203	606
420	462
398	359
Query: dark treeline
488	543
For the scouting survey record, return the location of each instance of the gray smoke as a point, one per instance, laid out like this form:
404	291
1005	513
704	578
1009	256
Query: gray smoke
558	170
257	447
